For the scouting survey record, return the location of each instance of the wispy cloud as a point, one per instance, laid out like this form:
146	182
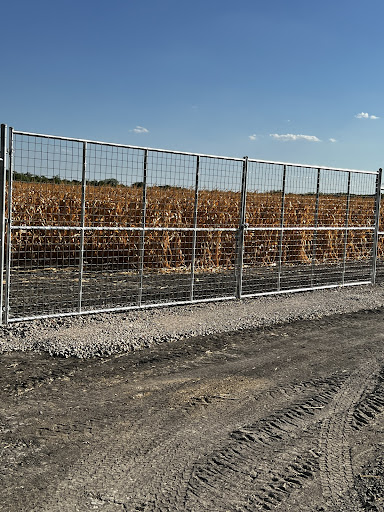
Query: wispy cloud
332	140
252	137
365	115
291	136
140	129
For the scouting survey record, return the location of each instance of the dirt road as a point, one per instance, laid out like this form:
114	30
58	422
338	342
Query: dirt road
289	418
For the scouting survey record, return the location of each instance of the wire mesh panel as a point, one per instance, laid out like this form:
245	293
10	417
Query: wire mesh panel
110	277
46	204
218	214
260	262
307	227
167	266
95	226
114	184
380	259
113	206
358	256
332	196
170	200
47	178
44	272
264	210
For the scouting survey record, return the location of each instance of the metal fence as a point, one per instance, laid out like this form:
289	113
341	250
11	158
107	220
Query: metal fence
90	226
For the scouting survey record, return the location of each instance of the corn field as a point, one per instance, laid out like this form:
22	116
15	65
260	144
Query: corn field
41	204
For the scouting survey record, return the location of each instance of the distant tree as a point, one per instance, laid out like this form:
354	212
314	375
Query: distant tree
111	182
27	177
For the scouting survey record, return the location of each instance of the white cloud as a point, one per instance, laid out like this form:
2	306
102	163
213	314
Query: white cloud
140	129
291	136
253	137
332	140
365	115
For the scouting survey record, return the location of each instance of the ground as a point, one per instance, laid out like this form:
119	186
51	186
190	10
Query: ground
287	418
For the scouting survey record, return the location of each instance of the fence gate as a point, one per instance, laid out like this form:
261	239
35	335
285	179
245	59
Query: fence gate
89	226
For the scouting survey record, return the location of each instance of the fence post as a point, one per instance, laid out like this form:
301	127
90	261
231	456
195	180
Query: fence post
82	221
142	235
377	225
3	182
194	236
8	251
279	266
314	238
240	233
346	227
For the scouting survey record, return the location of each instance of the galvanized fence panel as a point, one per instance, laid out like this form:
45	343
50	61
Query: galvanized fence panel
378	236
94	226
3	200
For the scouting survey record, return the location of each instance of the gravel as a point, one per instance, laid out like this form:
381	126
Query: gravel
103	334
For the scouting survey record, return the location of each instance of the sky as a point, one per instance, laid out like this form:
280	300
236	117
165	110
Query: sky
293	81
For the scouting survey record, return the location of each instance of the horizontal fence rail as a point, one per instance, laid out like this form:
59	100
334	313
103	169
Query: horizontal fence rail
89	226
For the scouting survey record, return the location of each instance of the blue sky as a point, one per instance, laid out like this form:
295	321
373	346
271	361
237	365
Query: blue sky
297	81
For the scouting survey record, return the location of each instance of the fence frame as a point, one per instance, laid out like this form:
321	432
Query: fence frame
379	191
3	182
6	226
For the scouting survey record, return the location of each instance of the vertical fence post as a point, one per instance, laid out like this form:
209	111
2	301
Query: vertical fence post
142	235
82	221
346	226
375	241
314	238
240	232
8	252
194	236
279	265
3	183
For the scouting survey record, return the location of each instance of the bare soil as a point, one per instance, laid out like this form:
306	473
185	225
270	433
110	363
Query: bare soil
287	418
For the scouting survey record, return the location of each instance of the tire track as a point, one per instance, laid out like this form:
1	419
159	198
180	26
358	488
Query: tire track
161	475
172	472
335	463
281	484
369	483
293	390
240	472
370	405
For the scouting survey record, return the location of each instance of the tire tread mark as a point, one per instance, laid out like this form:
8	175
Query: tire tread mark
234	466
372	492
370	406
281	484
284	421
335	462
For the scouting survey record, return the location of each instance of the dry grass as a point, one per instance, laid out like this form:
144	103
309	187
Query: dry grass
41	204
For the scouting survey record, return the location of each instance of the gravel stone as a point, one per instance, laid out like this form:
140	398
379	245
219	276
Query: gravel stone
98	335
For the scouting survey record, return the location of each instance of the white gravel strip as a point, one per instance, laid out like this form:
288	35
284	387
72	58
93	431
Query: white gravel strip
107	333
